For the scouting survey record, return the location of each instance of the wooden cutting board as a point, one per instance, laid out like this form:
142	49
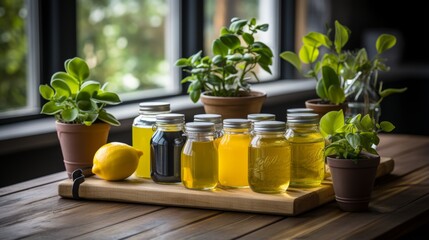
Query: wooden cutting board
294	201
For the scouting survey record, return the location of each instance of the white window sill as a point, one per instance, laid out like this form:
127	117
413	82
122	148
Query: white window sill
41	132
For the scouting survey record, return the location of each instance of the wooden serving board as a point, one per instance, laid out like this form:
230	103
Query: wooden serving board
294	201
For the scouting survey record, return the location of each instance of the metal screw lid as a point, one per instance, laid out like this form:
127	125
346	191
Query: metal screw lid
261	117
199	127
213	118
170	118
269	126
236	123
300	110
154	107
303	118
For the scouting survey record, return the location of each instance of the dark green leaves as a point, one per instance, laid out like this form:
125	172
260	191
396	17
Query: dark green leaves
77	68
231	41
219	48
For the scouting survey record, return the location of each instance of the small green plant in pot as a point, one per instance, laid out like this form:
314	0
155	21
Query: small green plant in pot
352	157
225	74
78	104
339	72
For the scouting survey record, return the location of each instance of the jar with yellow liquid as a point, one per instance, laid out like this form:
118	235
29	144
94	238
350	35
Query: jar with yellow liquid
307	144
216	119
269	158
233	153
142	132
199	157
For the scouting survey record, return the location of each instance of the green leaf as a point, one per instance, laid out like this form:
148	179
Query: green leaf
78	69
195	95
107	98
46	92
367	123
231	41
237	25
62	90
315	39
248	38
308	54
292	58
214	80
330	77
50	108
182	62
217	59
69	115
389	91
336	94
354	140
386	126
219	48
84	105
321	90
248	57
196	57
68	79
231	69
263	48
330	122
235	57
341	36
90	119
263	27
224	31
385	42
104	116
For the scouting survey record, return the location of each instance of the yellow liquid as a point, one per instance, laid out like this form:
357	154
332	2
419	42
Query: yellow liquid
269	165
199	165
308	163
141	141
233	160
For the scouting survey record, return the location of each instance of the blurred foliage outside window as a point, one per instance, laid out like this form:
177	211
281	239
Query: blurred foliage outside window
124	43
13	55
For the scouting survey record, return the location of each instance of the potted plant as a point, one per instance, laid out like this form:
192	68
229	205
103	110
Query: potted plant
78	104
221	81
340	73
352	157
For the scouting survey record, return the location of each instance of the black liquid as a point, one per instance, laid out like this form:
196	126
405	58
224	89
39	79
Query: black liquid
165	153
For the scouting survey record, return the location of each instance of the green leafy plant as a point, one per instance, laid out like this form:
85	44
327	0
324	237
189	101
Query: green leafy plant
332	69
74	99
347	138
236	53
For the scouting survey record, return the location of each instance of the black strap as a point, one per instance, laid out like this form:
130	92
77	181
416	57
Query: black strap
78	178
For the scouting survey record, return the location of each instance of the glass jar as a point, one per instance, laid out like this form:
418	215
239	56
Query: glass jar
199	157
233	153
307	144
269	158
142	131
166	148
213	118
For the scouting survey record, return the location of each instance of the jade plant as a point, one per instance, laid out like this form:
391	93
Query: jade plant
235	54
337	70
72	98
347	138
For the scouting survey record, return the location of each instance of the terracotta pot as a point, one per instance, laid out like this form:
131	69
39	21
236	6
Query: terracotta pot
79	144
323	108
353	181
234	107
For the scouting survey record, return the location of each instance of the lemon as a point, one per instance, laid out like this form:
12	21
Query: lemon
115	161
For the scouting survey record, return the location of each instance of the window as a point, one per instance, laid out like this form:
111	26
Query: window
132	44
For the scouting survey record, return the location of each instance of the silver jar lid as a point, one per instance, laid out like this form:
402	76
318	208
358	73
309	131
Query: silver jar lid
261	117
199	127
154	107
303	118
269	126
170	118
213	118
299	110
236	123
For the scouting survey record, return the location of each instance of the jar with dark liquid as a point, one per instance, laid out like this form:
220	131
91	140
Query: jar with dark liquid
166	148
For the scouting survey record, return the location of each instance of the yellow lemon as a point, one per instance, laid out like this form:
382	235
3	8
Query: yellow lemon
115	161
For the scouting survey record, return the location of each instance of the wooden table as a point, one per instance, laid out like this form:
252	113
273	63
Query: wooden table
399	206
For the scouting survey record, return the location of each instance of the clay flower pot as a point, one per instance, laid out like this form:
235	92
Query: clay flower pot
323	108
353	181
79	144
234	107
